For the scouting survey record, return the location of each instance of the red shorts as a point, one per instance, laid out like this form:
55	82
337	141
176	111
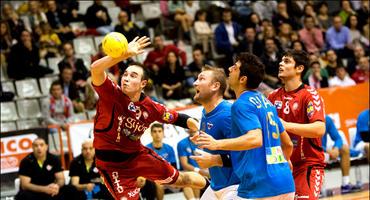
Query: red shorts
120	177
308	181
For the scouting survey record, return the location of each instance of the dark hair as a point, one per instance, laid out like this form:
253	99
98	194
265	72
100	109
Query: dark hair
167	64
307	17
198	47
54	83
145	71
348	22
300	42
251	67
218	76
156	125
300	58
227	10
314	63
199	13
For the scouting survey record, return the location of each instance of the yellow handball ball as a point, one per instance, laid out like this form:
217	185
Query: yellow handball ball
114	44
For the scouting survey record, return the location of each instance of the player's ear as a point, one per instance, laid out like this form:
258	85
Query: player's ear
300	68
243	80
143	83
216	86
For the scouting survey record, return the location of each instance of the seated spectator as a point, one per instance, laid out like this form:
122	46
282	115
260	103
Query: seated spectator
80	72
356	38
298	46
172	77
24	59
284	36
255	22
16	26
339	150
49	41
311	36
41	176
338	38
58	108
346	11
156	58
363	14
6	40
317	79
270	58
265	9
308	10
282	16
128	28
195	67
227	37
361	143
341	79
361	75
85	176
203	31
332	62
70	88
323	16
97	18
185	20
91	97
162	149
185	149
250	42
358	53
35	15
58	20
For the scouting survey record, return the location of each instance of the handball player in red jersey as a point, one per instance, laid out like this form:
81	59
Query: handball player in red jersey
301	109
123	113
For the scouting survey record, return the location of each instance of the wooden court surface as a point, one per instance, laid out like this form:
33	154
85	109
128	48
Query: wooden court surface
364	195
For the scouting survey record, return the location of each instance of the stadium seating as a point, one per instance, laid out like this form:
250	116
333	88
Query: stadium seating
8	126
45	83
84	45
29	108
27	88
27	124
8	111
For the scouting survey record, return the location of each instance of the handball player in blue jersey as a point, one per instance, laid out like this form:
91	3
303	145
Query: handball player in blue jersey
216	121
257	134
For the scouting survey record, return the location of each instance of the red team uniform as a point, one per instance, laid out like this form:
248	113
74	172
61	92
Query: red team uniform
120	156
303	105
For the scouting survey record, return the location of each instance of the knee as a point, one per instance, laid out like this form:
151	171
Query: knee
184	179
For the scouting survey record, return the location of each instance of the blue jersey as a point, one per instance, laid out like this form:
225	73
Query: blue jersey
187	148
263	171
165	152
333	133
217	123
363	125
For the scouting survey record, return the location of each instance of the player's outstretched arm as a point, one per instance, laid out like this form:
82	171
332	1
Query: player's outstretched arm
312	130
286	145
135	47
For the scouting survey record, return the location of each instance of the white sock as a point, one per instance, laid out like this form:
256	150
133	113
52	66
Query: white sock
345	180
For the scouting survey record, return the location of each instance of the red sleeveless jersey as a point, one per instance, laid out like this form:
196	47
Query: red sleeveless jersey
119	123
303	105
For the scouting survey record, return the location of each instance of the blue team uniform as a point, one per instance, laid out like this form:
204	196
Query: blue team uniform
263	171
333	133
363	125
217	123
186	148
165	152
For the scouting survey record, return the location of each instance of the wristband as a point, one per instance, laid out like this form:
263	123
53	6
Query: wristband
196	169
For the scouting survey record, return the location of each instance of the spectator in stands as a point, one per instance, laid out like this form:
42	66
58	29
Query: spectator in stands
176	8
358	52
97	17
346	11
298	46
157	57
338	37
16	26
58	20
323	16
85	176
41	175
24	59
195	67
341	79
227	37
91	97
284	36
49	41
317	79
70	88
58	108
339	149
282	16
265	9
332	62
162	149
308	10
255	22
311	36
203	32
363	13
35	15
356	38
126	27
185	149
80	72
172	77
191	7
362	138
361	75
250	42
6	40
270	58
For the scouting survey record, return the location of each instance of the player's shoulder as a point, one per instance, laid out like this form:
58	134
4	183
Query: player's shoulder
275	92
310	92
167	146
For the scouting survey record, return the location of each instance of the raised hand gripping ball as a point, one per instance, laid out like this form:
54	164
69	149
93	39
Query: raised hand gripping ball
114	44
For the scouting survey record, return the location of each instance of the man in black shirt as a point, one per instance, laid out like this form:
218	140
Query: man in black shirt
41	175
85	176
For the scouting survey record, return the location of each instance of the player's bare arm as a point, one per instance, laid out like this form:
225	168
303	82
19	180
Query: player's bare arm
254	138
286	145
135	47
312	130
207	160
